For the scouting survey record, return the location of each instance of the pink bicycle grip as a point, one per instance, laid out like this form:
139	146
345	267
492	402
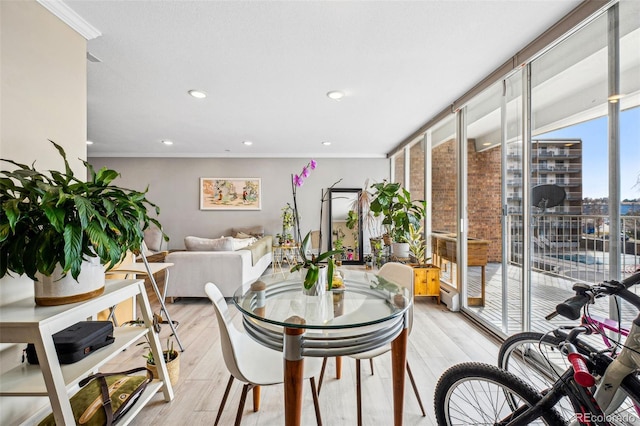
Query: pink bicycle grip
580	372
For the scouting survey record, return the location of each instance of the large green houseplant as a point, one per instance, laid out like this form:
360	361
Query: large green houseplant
54	218
399	211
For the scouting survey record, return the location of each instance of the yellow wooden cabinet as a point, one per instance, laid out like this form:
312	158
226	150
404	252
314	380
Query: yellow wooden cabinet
426	281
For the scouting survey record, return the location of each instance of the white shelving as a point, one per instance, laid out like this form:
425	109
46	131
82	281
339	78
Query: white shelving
23	321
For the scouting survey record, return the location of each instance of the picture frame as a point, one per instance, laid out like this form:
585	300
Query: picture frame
230	193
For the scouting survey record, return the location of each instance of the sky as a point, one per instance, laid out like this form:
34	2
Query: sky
595	183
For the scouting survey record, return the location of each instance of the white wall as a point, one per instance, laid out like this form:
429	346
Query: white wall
43	96
174	186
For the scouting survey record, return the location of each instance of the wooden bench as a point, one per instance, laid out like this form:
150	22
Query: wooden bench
444	248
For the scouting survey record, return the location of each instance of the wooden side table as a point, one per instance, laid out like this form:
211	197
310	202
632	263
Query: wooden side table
284	254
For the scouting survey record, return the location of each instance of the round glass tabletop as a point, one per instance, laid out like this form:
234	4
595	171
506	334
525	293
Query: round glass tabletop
365	299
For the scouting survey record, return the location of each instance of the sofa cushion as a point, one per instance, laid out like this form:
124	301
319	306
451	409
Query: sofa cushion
239	243
208	244
153	239
254	231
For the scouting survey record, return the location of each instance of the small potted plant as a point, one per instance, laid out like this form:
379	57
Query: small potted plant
53	224
417	246
287	219
368	261
171	359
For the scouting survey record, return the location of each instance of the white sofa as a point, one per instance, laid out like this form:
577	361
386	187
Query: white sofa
227	268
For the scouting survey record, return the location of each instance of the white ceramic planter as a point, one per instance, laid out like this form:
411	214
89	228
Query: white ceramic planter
400	250
57	290
320	286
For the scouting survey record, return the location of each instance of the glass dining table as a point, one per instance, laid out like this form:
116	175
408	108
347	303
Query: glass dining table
366	313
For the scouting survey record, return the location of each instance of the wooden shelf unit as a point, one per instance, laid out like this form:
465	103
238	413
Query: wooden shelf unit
23	321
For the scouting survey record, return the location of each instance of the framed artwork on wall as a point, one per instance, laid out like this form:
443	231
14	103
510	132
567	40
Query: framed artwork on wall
230	194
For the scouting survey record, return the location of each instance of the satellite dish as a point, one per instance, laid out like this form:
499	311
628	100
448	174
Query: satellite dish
547	196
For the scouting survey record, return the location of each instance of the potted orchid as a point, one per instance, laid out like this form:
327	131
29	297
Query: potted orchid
313	264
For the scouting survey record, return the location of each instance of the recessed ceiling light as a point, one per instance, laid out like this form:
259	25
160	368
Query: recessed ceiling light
197	94
336	95
247	143
89	142
326	143
167	142
568	144
486	144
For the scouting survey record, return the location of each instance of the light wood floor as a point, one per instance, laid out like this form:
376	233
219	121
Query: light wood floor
438	340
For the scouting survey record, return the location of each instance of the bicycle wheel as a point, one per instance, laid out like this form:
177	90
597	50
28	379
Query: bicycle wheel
476	394
535	358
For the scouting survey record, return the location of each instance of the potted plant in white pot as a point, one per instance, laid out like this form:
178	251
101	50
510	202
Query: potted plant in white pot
399	211
60	230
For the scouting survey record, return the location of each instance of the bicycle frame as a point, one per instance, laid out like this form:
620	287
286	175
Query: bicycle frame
602	325
627	361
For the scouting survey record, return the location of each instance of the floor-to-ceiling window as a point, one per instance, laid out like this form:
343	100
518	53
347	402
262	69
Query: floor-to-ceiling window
552	173
441	140
484	205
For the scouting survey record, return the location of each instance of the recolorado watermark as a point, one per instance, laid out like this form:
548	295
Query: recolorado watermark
608	418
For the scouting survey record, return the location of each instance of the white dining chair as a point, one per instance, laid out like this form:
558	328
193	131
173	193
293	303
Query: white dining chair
402	275
250	362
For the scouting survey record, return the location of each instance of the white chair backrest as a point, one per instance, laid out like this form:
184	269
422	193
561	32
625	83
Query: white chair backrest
402	275
229	335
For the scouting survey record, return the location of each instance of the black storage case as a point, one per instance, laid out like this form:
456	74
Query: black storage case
77	341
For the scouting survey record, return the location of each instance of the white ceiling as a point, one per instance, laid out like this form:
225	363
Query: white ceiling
267	65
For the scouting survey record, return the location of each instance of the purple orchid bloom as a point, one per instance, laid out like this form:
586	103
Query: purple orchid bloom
313	164
305	172
298	180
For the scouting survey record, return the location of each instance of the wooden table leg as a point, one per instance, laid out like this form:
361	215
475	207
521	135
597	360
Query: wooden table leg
398	363
256	398
293	379
338	367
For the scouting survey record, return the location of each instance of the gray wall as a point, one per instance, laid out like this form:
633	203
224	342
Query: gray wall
174	187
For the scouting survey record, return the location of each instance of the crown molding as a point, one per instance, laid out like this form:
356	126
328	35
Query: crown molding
71	18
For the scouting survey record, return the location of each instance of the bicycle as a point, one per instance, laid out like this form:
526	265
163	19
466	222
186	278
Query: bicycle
536	357
595	384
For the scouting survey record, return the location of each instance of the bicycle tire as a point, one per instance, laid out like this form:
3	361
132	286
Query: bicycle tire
540	375
464	385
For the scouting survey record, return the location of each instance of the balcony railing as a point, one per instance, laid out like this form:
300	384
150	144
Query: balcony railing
575	246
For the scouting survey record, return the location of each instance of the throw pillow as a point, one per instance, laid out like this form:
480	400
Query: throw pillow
208	244
243	235
255	231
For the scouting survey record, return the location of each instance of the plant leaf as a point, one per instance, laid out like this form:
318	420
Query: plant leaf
312	276
72	249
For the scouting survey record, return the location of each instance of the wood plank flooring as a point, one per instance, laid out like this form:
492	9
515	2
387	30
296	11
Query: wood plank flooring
439	339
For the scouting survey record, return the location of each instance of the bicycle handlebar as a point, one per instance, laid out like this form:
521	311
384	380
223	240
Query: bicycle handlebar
571	307
585	294
580	371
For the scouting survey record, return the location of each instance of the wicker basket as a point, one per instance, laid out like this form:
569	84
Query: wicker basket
173	367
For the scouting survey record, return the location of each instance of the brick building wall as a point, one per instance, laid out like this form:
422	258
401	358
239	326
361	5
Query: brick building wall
399	169
416	171
484	185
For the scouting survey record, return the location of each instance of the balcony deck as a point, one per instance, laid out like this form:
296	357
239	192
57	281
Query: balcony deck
547	290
